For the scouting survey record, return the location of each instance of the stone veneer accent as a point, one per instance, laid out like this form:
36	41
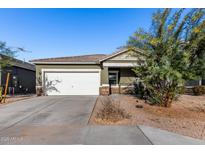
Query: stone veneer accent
104	90
39	91
116	90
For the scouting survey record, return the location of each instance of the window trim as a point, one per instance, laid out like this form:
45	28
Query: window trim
117	77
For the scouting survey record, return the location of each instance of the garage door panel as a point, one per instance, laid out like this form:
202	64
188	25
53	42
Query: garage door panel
70	83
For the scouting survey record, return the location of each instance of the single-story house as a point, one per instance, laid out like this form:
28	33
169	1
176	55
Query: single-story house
22	76
87	74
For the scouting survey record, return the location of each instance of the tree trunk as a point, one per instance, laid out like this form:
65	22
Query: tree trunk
168	100
168	103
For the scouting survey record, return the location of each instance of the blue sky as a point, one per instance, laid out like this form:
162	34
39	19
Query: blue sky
67	32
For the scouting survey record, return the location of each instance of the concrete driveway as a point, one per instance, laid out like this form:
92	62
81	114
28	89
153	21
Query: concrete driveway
64	120
60	120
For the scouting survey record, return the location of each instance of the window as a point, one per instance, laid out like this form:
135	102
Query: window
113	77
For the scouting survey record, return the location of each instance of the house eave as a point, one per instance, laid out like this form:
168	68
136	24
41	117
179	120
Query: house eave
19	63
118	53
114	64
113	55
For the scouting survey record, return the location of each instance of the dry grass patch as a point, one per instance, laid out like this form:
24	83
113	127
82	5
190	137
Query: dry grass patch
12	99
110	111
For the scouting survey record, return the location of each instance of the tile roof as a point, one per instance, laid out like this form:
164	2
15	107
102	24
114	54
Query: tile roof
93	59
81	59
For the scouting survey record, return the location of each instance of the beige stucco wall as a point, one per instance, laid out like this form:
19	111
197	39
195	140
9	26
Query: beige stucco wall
104	76
127	76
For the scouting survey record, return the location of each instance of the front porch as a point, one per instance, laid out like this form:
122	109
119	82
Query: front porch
117	80
117	76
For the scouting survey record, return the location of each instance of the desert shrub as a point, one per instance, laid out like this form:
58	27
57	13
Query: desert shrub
199	90
182	90
111	111
139	90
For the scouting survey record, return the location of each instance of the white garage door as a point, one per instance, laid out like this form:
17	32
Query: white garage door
72	83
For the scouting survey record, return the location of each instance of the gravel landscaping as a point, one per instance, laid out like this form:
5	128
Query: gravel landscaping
186	115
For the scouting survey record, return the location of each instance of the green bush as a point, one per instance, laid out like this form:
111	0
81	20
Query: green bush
199	90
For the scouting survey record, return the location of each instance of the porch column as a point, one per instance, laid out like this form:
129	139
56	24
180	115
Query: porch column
200	82
104	88
104	77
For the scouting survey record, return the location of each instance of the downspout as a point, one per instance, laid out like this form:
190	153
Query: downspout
200	82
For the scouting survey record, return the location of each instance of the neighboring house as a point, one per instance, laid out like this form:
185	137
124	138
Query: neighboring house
88	74
22	76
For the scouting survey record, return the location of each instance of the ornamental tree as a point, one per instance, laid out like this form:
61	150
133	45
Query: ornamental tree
8	53
173	52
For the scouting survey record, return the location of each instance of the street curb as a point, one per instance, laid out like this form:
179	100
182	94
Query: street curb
145	135
92	110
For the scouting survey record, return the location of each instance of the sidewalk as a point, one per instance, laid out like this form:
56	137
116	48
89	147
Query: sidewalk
162	137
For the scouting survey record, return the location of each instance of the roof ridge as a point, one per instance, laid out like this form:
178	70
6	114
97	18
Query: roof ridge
68	57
